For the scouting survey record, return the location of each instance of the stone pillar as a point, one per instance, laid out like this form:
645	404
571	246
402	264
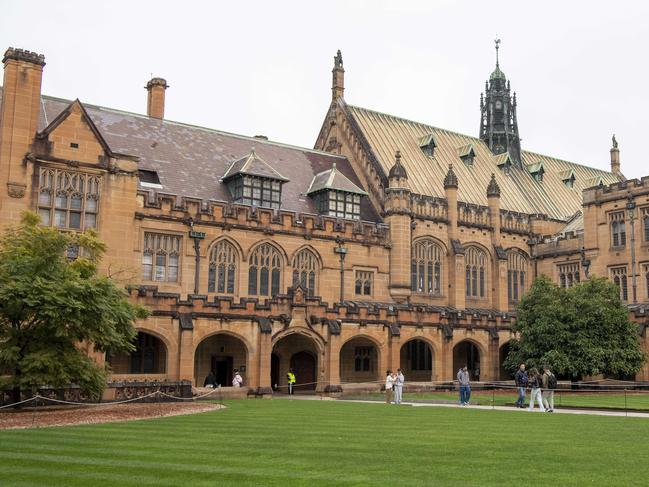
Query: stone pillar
499	298
456	289
264	351
398	217
186	357
333	363
156	88
21	92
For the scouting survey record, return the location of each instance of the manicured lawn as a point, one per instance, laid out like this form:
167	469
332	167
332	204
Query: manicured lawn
612	400
282	442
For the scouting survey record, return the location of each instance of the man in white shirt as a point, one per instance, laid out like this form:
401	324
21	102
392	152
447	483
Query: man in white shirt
398	387
237	380
389	385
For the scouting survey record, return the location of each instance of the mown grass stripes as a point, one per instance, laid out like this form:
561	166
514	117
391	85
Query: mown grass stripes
282	442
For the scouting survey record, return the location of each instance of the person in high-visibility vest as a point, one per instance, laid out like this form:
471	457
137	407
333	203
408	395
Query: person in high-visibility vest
290	376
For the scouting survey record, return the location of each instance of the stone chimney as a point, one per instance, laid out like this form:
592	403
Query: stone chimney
155	107
21	103
338	84
615	157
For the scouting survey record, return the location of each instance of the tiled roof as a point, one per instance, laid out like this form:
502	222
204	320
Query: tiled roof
190	161
253	165
333	179
575	224
520	192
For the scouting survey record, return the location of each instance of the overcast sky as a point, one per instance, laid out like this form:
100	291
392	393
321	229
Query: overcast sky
264	67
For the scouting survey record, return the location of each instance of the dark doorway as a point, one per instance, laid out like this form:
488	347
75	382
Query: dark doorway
304	365
222	367
466	353
504	351
274	371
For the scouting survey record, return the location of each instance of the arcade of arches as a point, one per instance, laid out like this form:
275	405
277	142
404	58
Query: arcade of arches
320	359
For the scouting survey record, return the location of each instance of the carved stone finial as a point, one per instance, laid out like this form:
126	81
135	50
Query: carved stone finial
157	82
497	41
338	60
614	142
398	171
450	181
493	190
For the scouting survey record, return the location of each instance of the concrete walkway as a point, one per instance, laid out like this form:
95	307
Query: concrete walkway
592	412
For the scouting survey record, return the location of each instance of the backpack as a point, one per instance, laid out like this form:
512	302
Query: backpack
552	381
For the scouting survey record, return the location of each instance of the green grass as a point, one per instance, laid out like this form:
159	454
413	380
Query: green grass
609	400
311	443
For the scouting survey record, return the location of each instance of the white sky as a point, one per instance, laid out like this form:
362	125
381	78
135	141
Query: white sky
264	67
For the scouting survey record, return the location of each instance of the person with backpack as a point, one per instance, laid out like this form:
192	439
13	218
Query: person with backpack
549	385
535	383
521	380
465	385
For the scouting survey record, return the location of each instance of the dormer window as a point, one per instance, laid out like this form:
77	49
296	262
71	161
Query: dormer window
252	181
537	170
504	162
467	154
427	144
335	195
568	177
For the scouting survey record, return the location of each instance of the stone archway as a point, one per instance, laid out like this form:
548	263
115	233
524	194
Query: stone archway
359	361
416	360
503	374
299	352
149	357
221	353
467	353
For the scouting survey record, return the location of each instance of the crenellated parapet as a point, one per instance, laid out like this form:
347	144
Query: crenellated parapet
622	189
429	208
472	215
515	222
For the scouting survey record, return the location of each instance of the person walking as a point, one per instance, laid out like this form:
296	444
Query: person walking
549	385
389	386
398	387
535	383
237	380
290	378
521	380
465	385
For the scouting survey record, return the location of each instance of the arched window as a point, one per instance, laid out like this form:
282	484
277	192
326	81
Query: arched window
223	268
305	270
264	271
476	272
516	275
426	267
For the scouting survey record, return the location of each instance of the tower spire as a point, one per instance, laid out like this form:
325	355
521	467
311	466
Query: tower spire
497	41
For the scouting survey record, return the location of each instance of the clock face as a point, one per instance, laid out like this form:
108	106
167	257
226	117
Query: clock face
499	105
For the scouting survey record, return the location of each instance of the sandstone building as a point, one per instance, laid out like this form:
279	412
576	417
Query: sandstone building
390	244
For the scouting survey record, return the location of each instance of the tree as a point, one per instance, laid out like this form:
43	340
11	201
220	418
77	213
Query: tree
580	331
51	305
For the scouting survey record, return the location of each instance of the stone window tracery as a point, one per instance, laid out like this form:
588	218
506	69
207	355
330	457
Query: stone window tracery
645	224
476	274
516	275
68	200
264	272
619	278
363	359
222	271
568	274
161	257
305	270
426	267
364	283
618	229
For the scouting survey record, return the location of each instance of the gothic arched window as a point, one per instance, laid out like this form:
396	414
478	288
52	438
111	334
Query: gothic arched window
305	270
516	275
475	260
264	272
426	267
223	268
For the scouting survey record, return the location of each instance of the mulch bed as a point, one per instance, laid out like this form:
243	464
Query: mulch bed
68	415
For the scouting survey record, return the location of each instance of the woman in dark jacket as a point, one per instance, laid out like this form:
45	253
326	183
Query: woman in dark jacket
535	384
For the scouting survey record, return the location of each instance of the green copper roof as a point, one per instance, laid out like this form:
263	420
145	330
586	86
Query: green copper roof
497	74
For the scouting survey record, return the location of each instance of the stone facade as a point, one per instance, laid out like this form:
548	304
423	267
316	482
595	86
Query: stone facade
424	282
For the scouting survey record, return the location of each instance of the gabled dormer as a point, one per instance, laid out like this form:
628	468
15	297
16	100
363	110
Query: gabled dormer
568	177
504	162
427	144
536	170
467	154
252	181
335	195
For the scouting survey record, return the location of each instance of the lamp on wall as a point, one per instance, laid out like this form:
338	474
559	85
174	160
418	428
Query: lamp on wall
630	209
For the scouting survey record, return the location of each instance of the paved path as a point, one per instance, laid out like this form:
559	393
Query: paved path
592	412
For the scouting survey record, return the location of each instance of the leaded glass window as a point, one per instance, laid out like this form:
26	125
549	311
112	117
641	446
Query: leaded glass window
339	204
618	229
619	277
516	275
222	270
305	270
475	261
257	191
568	274
161	257
68	200
426	267
264	271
